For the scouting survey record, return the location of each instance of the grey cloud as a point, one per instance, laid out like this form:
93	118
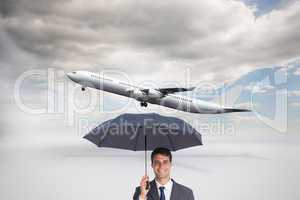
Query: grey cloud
11	8
225	39
161	27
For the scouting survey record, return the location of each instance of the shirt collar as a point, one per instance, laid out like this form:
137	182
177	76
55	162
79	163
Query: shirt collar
168	185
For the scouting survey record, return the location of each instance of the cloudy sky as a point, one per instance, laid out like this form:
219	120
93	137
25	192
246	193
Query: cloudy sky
248	48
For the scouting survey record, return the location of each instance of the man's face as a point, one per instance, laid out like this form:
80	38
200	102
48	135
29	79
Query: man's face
161	166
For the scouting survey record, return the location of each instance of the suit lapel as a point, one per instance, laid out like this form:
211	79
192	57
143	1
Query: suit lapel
153	190
153	193
174	192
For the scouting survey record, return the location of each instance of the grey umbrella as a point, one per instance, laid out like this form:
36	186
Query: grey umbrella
142	132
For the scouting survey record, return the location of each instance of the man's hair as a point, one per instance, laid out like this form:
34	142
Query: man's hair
162	151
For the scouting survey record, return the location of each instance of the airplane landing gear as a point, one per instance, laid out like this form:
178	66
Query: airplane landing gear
144	104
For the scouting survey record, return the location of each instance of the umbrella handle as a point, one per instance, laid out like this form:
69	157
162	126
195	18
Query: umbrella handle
147	185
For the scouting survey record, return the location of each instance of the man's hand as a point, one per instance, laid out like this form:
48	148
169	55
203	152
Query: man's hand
143	185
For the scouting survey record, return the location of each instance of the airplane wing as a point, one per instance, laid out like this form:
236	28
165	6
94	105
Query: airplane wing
166	91
229	110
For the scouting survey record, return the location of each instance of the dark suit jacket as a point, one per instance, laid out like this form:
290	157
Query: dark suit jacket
179	192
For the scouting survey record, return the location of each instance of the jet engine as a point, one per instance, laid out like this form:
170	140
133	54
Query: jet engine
154	94
138	94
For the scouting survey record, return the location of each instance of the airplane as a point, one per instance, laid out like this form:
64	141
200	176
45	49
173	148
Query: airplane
161	96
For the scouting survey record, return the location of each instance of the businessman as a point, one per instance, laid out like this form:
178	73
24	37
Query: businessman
162	187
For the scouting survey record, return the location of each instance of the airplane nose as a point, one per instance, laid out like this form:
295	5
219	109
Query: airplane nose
70	76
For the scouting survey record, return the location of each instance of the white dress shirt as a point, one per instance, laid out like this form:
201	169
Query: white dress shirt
168	189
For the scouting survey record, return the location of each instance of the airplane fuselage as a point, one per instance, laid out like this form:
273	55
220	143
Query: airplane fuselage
153	96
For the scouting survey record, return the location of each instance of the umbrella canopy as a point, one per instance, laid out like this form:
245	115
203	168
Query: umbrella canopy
142	132
139	132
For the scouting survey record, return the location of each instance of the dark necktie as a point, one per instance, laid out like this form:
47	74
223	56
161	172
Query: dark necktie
162	194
